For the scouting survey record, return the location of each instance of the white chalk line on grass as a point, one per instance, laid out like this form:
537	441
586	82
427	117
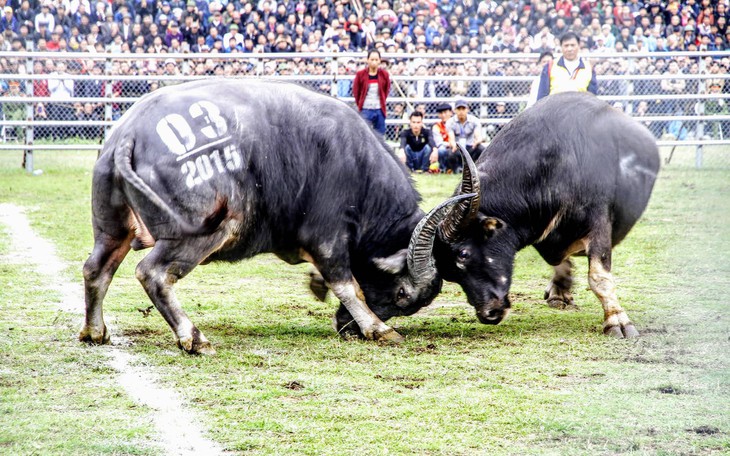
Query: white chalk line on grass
176	424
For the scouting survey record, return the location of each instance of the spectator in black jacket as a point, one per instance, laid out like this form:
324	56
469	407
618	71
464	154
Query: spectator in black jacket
416	144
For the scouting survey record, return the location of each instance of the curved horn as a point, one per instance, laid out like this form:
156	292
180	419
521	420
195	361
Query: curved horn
420	261
463	213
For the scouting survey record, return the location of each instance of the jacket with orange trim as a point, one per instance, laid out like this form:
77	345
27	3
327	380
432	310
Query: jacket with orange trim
556	78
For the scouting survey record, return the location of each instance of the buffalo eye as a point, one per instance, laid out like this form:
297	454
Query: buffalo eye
463	255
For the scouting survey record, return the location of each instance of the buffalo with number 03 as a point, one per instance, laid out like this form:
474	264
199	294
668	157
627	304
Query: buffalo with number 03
570	176
224	170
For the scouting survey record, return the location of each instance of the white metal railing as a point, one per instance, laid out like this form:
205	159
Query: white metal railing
515	87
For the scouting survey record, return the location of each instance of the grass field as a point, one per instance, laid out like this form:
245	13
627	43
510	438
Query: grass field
542	382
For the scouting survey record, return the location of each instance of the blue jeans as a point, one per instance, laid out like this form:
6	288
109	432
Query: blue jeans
418	160
375	118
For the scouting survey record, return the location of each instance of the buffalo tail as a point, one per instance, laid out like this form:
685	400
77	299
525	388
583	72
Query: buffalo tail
123	163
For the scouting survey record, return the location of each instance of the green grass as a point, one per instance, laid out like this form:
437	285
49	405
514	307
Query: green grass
542	382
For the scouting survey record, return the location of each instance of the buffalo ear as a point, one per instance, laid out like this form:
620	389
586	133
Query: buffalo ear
394	264
490	225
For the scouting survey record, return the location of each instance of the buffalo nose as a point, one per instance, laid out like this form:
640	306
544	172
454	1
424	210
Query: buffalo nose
491	316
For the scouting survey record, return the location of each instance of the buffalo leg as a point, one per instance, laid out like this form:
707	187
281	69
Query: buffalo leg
318	285
344	324
616	322
338	278
168	262
99	270
558	293
351	296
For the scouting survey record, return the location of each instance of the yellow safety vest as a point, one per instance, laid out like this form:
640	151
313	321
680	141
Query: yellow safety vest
561	80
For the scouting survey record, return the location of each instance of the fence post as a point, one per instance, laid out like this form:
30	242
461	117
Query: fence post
108	92
333	74
30	115
698	150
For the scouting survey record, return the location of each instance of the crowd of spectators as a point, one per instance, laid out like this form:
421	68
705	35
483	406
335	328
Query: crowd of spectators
244	27
463	26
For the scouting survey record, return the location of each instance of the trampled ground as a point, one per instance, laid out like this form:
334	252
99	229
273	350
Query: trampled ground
542	382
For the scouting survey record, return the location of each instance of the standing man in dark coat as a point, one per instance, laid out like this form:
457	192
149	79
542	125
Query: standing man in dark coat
370	89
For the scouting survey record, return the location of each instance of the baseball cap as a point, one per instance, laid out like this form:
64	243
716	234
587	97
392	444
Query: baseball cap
461	103
443	107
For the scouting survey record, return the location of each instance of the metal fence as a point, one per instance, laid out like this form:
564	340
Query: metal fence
71	100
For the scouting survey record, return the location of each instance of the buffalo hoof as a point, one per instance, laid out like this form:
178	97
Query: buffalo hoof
621	332
561	304
196	344
196	348
94	336
388	336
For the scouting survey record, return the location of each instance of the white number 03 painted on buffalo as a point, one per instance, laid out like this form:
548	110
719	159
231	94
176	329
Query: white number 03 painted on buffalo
216	156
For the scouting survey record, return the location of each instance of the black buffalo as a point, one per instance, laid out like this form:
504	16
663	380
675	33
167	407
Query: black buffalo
225	170
569	176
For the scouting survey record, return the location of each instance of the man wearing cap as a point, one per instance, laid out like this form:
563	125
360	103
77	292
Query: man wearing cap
190	9
216	22
570	73
609	39
370	89
465	130
8	21
45	17
449	160
173	33
64	20
717	106
125	29
165	10
233	32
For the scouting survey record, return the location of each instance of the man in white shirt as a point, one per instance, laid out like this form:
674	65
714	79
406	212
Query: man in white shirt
45	17
61	92
233	32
